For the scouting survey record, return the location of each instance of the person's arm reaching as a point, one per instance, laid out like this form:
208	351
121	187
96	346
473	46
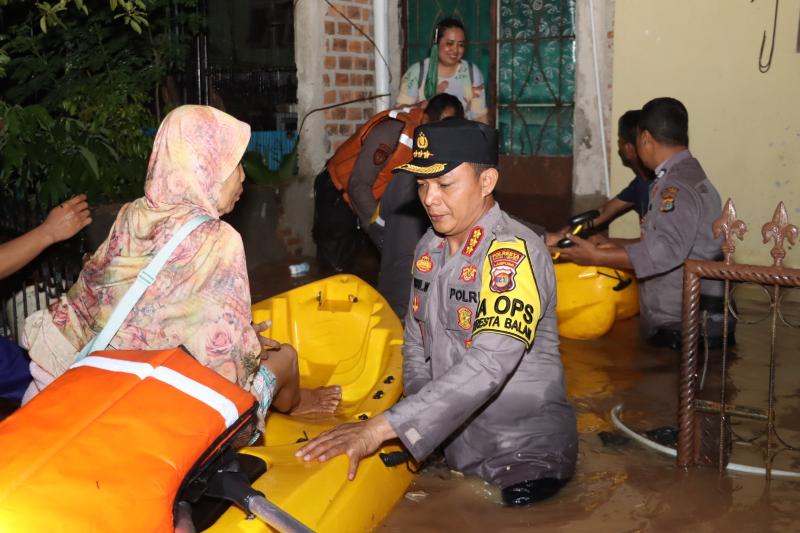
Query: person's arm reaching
61	223
611	210
608	212
584	252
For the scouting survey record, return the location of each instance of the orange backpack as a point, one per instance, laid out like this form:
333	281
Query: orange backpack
108	444
341	165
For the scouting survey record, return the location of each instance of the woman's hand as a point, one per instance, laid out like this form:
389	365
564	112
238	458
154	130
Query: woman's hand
442	87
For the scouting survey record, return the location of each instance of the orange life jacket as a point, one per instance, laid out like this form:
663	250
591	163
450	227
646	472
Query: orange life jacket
106	446
340	166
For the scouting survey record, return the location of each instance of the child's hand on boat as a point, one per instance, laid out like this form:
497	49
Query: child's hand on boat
355	440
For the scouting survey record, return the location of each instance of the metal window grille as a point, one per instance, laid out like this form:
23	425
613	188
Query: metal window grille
536	76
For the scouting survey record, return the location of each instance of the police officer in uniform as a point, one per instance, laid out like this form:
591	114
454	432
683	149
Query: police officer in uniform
676	227
482	370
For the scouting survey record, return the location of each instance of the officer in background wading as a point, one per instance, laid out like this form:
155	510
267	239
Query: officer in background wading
482	369
676	227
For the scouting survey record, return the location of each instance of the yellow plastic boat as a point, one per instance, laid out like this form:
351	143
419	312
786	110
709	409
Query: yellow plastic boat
591	299
345	333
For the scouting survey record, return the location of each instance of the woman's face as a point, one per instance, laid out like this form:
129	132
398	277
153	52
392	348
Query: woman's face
451	46
231	191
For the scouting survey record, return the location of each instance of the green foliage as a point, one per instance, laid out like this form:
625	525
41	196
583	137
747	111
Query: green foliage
78	96
57	157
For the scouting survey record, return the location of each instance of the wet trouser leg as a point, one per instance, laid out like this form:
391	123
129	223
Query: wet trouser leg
335	228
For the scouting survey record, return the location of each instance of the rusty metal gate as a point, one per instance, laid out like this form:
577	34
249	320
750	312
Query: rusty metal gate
776	279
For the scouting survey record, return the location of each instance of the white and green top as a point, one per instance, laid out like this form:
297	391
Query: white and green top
466	85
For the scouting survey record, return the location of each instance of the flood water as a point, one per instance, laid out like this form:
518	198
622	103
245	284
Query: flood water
626	487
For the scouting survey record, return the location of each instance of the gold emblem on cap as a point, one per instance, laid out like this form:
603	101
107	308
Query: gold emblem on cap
422	141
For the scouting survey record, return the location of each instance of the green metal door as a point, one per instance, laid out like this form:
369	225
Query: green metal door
526	52
536	76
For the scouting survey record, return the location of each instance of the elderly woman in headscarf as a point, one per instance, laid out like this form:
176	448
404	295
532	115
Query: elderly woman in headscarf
201	298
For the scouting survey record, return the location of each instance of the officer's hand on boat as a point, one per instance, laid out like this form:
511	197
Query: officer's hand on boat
356	441
582	252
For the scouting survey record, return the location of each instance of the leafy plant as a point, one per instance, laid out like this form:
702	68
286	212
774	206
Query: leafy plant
55	157
78	96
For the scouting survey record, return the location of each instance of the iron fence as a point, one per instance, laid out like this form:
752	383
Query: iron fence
776	279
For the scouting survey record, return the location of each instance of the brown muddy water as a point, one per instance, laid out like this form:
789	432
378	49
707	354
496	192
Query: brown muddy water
627	488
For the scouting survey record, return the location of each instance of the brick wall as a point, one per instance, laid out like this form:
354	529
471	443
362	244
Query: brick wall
349	68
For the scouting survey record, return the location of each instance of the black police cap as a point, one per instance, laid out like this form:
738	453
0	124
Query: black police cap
439	147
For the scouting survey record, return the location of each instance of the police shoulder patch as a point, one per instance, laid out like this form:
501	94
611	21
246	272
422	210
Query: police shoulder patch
668	196
509	297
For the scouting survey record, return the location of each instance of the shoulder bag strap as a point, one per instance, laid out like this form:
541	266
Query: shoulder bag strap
421	77
145	278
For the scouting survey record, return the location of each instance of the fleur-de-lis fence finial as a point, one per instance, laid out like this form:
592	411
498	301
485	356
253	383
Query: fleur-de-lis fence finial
728	225
779	229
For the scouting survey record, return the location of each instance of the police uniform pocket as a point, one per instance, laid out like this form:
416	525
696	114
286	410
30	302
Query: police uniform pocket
459	308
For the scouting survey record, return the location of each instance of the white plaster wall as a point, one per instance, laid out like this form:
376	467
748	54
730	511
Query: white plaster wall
744	126
395	47
309	41
588	176
298	195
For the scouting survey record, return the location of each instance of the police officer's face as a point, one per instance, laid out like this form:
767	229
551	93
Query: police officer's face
456	200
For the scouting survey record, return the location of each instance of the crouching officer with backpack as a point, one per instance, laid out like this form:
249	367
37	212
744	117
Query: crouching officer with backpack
482	369
357	180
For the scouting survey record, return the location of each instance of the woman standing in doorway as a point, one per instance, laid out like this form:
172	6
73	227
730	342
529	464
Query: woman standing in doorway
445	71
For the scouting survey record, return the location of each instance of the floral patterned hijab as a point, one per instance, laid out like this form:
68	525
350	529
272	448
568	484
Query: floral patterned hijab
201	298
